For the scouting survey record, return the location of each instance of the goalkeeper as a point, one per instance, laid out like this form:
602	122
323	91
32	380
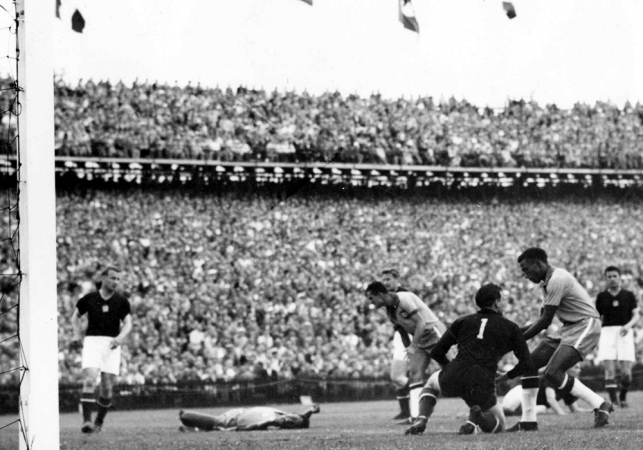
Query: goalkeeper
246	419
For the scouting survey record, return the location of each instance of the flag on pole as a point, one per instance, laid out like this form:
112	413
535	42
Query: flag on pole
509	9
77	22
407	16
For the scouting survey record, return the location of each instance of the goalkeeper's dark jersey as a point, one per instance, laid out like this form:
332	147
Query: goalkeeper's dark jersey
483	339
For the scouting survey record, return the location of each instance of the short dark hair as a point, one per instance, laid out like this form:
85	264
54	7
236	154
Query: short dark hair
376	288
535	253
106	270
612	269
394	272
487	295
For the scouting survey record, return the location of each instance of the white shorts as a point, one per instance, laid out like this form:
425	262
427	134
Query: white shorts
97	354
399	351
612	346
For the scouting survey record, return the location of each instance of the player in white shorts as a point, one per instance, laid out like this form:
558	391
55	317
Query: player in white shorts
108	324
619	312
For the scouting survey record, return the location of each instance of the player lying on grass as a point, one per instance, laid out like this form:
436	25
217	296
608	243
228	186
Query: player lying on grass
547	398
246	419
483	339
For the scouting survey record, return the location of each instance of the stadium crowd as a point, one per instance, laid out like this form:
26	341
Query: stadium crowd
234	287
229	287
148	120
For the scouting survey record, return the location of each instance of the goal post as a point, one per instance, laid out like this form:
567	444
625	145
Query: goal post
38	310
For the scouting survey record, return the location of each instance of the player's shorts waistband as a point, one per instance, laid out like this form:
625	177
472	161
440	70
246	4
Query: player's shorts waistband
565	323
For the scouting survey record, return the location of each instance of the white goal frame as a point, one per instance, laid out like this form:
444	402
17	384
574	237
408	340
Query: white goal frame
38	308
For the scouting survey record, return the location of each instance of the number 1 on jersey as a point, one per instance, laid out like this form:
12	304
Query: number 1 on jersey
482	325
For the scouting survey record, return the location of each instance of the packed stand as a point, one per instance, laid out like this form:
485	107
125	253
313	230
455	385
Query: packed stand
233	288
150	120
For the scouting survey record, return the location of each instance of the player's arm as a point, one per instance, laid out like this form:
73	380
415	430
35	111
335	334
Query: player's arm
75	325
76	337
412	313
599	306
550	394
439	352
543	322
406	340
521	350
125	330
628	326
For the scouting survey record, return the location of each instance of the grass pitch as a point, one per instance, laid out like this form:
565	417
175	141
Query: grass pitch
339	426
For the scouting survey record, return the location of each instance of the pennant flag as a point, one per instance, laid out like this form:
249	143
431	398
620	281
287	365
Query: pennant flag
77	22
509	9
310	2
407	16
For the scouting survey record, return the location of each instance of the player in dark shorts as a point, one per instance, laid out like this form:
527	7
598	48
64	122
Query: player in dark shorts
483	339
619	312
246	419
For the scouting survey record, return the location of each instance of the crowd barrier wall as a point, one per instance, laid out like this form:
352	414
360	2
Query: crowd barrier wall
253	393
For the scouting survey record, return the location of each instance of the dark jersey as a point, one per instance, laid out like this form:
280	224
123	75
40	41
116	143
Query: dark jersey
483	339
103	316
616	310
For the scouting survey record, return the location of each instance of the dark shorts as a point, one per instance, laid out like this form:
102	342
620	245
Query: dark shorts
471	383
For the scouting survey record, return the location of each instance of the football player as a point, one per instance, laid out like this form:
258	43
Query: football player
401	340
483	339
246	419
565	298
416	318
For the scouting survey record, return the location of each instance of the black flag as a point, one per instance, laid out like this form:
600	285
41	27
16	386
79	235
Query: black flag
77	22
509	9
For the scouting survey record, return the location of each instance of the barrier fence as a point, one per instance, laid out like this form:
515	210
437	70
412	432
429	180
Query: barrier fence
228	394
